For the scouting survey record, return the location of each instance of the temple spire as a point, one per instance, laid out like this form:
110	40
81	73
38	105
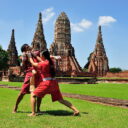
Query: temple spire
12	51
12	36
98	59
99	28
39	42
40	16
99	37
99	47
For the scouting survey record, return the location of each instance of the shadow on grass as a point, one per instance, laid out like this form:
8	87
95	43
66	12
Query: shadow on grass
84	112
51	112
22	112
54	113
59	113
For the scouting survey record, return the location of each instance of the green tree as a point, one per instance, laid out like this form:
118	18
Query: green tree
115	70
3	59
0	47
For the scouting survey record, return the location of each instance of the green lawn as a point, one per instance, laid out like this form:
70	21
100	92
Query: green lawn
118	91
112	78
58	116
19	84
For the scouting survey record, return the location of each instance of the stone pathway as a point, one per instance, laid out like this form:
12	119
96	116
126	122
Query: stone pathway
100	100
11	87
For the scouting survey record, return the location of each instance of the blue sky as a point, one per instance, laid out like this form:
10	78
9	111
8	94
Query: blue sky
84	15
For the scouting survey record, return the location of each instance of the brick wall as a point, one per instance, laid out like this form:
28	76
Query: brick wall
120	74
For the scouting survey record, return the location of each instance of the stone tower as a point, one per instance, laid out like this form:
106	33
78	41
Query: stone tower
12	51
39	42
62	46
98	60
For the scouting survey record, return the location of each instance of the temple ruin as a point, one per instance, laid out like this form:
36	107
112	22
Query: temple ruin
12	51
98	62
68	65
62	46
39	42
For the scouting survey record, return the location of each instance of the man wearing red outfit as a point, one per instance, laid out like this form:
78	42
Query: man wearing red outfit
27	67
31	76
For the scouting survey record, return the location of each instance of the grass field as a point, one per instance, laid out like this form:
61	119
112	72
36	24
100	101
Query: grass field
58	116
118	91
18	84
112	78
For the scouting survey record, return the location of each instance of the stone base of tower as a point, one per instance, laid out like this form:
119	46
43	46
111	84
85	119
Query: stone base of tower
76	74
67	66
98	66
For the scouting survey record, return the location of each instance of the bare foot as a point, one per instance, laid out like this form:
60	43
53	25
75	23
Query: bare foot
76	113
14	111
32	114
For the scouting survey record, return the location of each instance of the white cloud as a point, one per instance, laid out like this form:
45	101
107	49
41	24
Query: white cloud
106	20
76	28
85	23
81	26
47	14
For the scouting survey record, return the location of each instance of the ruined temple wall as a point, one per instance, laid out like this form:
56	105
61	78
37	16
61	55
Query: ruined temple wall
120	74
75	65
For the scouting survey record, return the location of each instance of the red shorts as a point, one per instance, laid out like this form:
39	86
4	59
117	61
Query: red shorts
49	87
26	84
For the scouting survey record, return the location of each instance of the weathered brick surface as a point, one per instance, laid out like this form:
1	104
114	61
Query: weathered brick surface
123	74
12	51
98	59
62	46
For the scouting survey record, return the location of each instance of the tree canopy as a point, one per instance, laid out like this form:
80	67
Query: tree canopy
115	70
3	59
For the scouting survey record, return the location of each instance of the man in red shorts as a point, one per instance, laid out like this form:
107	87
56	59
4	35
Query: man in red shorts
27	67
